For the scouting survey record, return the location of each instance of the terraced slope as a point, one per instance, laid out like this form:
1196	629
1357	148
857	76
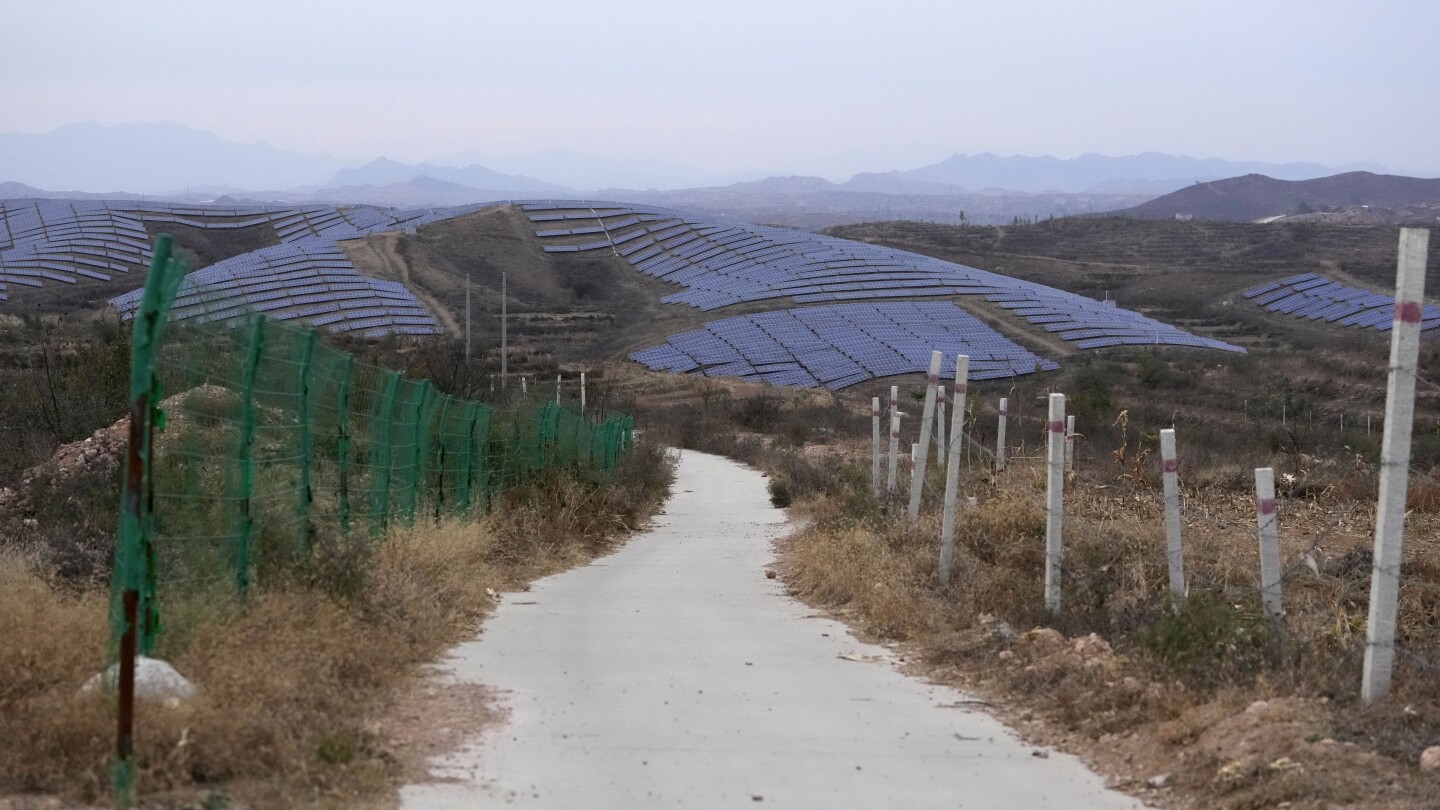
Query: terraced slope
304	277
809	310
721	263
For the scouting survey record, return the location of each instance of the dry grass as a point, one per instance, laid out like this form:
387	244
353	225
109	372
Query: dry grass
1156	689
293	683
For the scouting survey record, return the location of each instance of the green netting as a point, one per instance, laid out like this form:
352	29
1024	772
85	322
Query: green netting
269	444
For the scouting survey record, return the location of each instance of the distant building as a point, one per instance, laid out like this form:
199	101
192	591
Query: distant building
1184	217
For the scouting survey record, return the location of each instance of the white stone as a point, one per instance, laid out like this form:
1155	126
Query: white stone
1430	758
154	680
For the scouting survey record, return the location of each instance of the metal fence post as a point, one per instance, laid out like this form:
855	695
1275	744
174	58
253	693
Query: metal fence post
342	443
1395	464
134	624
247	458
380	476
302	417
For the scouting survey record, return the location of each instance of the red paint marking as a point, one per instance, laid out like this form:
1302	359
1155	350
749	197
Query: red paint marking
1171	465
1407	312
932	379
960	389
894	434
1266	507
1004	413
1057	427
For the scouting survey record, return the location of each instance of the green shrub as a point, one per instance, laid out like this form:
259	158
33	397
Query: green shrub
779	492
1203	634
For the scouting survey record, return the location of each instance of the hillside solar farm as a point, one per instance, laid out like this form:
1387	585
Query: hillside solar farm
834	312
1312	296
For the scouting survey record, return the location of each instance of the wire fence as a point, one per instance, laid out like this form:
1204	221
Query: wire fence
253	444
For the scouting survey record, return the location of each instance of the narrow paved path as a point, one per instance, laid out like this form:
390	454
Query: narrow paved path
674	674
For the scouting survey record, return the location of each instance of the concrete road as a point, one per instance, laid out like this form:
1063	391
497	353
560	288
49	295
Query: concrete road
674	674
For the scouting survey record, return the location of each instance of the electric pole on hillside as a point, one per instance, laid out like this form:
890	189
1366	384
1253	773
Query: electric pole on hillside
467	319
504	338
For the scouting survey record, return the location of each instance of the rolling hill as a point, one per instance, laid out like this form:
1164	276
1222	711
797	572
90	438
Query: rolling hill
1251	197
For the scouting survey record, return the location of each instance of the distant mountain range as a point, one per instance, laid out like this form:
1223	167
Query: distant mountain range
1251	197
1148	173
175	162
153	159
167	158
383	172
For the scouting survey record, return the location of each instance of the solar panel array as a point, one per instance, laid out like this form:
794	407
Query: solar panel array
1319	299
721	263
839	345
306	278
861	320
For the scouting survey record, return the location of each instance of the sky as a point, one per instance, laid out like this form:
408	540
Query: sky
744	87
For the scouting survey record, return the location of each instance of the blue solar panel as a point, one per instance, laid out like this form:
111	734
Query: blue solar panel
1317	298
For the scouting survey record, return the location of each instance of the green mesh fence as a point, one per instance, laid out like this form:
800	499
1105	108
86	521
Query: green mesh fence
267	442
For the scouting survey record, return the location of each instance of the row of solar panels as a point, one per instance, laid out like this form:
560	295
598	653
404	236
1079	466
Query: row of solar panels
722	263
311	281
1317	298
307	277
837	346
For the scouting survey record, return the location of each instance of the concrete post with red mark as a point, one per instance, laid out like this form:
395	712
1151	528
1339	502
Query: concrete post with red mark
1395	464
1269	543
1054	501
894	444
875	446
940	446
1170	474
952	469
1000	434
1070	444
919	456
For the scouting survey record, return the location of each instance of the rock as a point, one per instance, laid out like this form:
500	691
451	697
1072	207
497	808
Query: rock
1430	758
770	573
1045	639
1158	781
1257	707
1284	764
1006	655
154	680
999	629
1092	646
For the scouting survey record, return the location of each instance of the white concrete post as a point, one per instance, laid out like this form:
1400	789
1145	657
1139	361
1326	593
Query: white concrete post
952	468
582	393
524	385
1269	543
875	446
1174	550
1069	444
940	446
919	456
1394	464
557	389
1000	434
894	443
1054	501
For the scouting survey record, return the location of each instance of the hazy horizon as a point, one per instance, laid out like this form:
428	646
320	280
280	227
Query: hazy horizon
752	89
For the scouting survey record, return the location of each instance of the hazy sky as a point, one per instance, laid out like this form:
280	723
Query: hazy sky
790	86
